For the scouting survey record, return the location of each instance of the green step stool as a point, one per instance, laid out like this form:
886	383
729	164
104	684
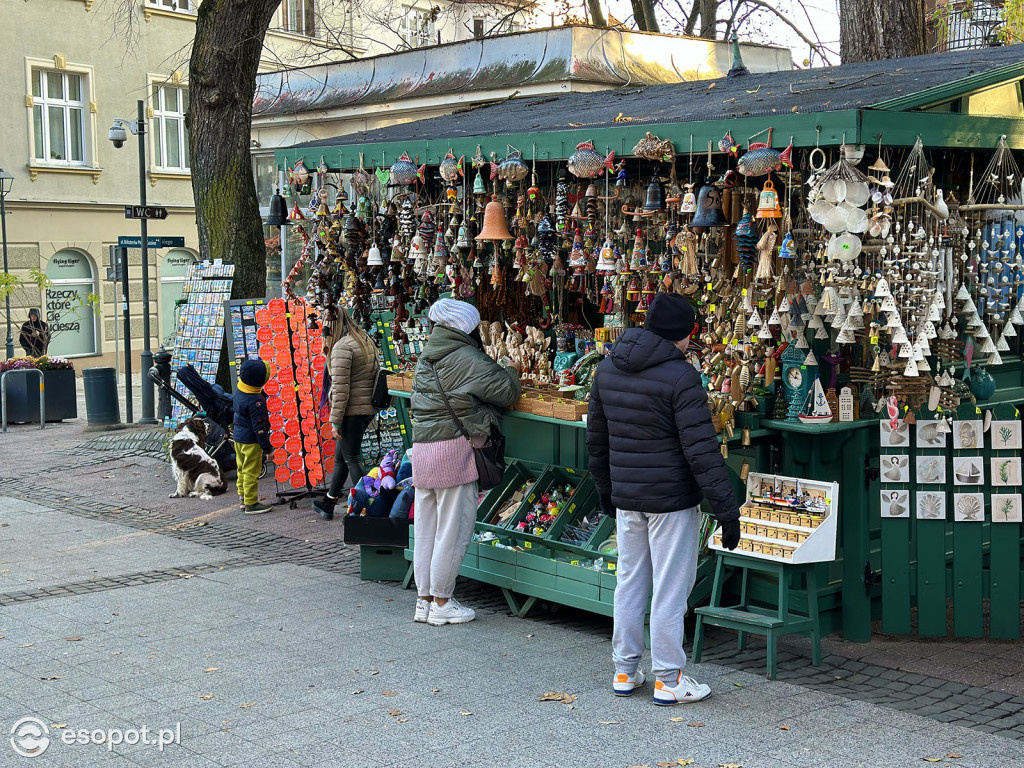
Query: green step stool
750	619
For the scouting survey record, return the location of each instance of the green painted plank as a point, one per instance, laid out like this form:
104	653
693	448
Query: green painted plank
824	128
940	130
931	578
896	576
968	581
957	87
1004	567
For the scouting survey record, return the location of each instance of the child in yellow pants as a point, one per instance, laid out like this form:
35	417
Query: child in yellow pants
252	433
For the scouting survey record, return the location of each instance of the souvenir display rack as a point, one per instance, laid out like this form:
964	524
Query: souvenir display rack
200	330
242	333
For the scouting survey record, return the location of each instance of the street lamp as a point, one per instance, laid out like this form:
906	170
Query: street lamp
118	135
6	182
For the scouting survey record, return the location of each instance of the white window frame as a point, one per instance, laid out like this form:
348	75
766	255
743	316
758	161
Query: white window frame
44	102
90	154
418	29
157	114
175	6
309	25
76	282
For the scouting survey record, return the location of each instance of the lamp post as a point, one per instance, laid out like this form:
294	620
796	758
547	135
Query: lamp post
6	182
117	135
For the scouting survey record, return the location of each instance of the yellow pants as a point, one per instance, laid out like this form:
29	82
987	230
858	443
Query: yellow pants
249	457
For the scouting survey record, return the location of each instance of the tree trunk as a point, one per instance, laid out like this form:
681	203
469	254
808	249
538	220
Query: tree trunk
222	82
870	30
596	13
652	21
709	19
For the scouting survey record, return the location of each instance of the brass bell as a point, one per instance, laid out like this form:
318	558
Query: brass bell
709	208
768	203
655	197
495	227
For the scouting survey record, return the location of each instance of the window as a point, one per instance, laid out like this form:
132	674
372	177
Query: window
186	6
478	29
58	117
173	271
170	136
69	308
418	28
299	17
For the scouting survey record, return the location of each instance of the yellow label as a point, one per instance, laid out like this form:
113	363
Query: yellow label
611	566
528	544
874	339
712	307
754	338
744	291
710	286
977	409
574	562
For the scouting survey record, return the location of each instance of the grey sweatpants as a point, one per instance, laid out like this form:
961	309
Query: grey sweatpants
444	520
659	551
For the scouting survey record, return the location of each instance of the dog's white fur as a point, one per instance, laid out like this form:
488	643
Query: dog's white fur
195	471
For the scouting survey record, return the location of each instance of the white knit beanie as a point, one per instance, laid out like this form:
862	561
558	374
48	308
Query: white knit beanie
457	315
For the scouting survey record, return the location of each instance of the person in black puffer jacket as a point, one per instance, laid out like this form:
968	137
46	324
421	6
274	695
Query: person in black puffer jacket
251	433
653	457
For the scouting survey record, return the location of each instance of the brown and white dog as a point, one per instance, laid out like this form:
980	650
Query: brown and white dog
195	471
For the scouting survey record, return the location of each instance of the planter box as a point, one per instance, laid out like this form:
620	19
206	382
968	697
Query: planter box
23	396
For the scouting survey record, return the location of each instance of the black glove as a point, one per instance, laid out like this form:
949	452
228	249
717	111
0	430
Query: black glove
607	507
730	534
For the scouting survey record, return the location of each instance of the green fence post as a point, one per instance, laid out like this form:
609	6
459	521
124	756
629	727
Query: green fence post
896	576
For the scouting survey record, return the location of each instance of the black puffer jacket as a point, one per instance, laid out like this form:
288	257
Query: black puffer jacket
649	433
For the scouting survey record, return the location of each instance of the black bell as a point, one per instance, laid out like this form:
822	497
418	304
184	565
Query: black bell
278	211
655	197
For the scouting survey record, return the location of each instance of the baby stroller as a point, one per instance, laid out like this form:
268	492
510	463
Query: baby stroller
217	408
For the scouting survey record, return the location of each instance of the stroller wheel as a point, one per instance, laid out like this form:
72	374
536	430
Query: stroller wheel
263	469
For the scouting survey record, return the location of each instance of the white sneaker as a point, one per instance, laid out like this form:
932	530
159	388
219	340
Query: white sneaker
685	691
450	613
624	685
422	610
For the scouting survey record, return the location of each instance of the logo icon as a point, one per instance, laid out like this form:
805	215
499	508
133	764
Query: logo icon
30	737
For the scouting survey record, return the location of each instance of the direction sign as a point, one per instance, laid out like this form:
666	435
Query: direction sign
145	212
134	241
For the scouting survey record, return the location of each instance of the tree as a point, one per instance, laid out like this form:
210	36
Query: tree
870	30
222	83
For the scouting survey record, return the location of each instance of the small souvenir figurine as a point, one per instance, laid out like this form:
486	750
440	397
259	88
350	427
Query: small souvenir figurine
586	162
405	172
450	168
620	174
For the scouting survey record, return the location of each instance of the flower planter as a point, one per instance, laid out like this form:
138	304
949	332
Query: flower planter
23	396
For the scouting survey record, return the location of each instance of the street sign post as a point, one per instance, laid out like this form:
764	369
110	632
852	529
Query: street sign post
134	241
145	212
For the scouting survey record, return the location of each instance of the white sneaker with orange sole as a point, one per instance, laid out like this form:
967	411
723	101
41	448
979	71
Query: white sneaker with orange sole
625	685
685	691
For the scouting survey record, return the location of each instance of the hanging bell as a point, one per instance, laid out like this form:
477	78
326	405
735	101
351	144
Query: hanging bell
495	227
709	208
373	257
786	250
462	243
479	188
655	197
606	261
278	211
768	204
689	203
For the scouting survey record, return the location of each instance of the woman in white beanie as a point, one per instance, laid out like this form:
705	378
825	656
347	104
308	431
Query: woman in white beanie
443	468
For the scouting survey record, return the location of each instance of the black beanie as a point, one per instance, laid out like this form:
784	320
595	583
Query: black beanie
671	317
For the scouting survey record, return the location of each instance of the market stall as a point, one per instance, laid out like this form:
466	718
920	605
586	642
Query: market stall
851	240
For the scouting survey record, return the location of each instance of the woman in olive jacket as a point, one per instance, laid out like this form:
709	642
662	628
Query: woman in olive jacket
443	467
353	369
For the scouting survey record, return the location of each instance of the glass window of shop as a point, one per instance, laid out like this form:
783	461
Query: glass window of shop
173	269
69	311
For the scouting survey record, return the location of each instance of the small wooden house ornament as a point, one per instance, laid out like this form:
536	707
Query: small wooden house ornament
846	404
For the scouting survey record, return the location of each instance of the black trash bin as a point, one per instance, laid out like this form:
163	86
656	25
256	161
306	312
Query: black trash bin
102	405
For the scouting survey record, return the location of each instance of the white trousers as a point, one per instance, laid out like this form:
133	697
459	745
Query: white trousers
444	520
659	552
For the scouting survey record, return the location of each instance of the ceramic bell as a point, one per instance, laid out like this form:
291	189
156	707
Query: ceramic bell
655	197
709	208
768	204
373	257
689	203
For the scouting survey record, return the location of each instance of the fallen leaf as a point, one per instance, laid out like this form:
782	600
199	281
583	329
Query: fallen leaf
638	766
211	669
696	725
730	765
795	109
738	685
675	719
58	726
730	101
394	712
575	125
435	690
374	672
389	600
206	696
26	645
610	722
565	698
783	727
684	761
55	677
465	713
711	86
530	635
953	756
247	705
402	720
389	693
755	90
357	690
74	639
932	759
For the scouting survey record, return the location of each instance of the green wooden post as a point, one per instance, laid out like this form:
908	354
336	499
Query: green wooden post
931	577
1004	570
896	576
968	584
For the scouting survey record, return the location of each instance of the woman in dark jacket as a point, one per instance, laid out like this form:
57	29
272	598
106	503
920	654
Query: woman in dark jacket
443	468
35	335
353	367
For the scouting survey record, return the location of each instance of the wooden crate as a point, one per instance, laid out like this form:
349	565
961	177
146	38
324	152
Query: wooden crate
400	381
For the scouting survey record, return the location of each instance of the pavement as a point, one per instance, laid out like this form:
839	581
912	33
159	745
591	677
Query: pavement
251	641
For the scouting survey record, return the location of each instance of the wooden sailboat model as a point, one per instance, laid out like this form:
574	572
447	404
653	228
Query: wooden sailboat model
816	409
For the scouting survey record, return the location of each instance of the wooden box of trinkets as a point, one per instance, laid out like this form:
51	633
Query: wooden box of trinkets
787	519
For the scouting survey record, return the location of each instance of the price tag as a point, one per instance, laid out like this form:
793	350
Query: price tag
874	340
754	338
710	286
760	305
712	307
744	291
528	544
574	562
611	566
